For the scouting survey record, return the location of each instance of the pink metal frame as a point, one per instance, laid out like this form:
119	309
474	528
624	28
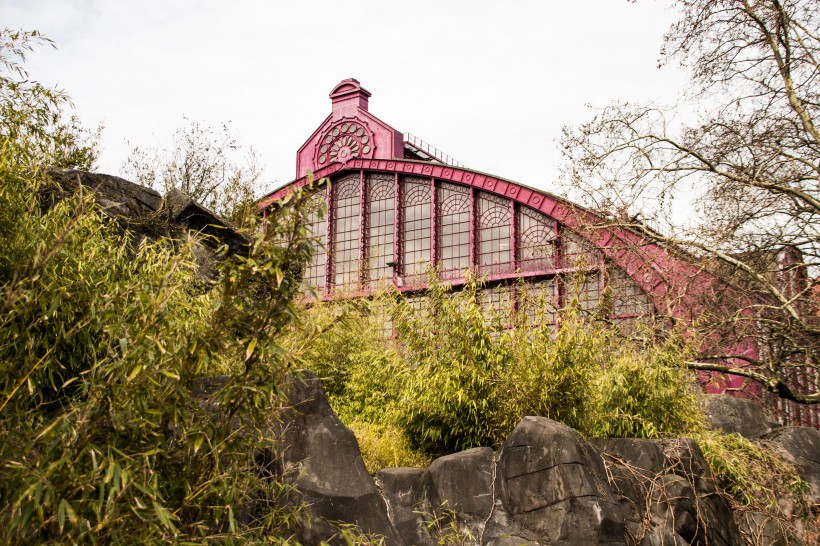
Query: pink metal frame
675	285
645	262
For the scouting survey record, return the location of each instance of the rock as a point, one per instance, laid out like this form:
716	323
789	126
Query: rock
734	414
644	456
799	446
554	486
404	492
671	479
684	458
320	458
195	217
760	530
463	482
148	216
116	196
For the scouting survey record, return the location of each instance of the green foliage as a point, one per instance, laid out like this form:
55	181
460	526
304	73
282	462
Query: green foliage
750	474
647	397
451	378
384	445
450	397
552	370
106	434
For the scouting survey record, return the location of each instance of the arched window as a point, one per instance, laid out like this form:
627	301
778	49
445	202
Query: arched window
536	241
494	222
346	223
453	214
380	201
416	229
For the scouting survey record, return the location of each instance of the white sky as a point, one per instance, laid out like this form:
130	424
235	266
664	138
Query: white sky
490	83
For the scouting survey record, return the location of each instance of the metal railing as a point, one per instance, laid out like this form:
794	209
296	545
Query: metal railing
434	153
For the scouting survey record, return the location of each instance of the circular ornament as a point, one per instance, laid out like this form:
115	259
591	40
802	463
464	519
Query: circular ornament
343	142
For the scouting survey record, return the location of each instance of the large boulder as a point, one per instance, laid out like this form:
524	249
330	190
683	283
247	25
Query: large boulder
734	414
146	215
405	492
320	458
668	492
799	446
554	486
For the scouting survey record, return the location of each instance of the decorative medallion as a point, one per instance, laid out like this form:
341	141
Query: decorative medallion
343	141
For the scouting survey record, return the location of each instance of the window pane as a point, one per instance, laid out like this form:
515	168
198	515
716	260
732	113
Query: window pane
454	230
537	301
536	240
496	304
627	297
380	194
346	233
315	271
415	229
586	288
577	251
494	228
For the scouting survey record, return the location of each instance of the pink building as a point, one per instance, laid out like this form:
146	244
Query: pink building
396	206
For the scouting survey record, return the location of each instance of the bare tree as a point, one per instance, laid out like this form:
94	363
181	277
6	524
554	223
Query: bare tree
203	164
748	167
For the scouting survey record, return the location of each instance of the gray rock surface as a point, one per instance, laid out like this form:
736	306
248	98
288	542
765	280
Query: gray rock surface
149	216
554	486
404	491
668	492
801	447
116	196
735	414
321	459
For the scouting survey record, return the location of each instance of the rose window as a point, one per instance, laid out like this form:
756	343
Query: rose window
344	142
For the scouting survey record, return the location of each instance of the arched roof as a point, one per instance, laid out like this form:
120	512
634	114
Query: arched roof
675	285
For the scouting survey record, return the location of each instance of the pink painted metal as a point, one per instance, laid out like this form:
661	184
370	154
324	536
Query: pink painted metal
349	132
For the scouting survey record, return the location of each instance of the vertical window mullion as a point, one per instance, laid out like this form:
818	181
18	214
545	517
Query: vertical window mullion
473	259
364	211
434	224
397	236
514	303
331	258
516	260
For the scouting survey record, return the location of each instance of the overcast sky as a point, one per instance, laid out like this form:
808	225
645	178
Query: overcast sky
490	83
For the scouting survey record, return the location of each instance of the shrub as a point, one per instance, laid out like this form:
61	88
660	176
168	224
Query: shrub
450	397
102	346
645	391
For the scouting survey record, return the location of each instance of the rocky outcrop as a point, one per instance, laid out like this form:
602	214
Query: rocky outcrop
553	485
668	492
320	458
739	415
546	485
799	446
147	215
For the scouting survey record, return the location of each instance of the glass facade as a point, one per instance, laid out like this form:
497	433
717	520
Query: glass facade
494	234
407	223
380	211
317	225
416	229
453	221
345	229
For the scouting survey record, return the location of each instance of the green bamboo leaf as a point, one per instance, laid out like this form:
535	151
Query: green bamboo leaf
251	347
134	371
61	513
